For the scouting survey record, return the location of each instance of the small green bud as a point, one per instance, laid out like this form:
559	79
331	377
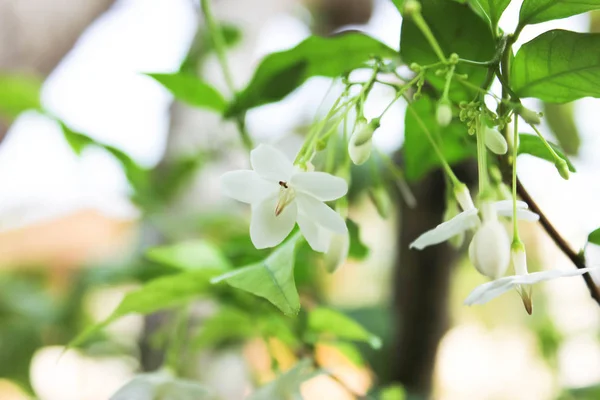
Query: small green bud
321	144
443	113
563	168
529	116
453	59
415	67
411	7
440	72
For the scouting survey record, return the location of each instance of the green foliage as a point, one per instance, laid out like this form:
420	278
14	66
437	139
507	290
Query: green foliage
533	145
272	278
419	157
162	386
328	322
558	66
190	255
280	73
158	294
536	11
561	120
491	9
286	385
594	237
226	325
395	392
18	93
455	26
192	90
358	250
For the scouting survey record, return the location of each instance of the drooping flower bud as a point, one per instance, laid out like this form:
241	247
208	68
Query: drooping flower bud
529	116
563	168
443	113
411	7
463	196
519	260
337	253
495	141
489	250
360	145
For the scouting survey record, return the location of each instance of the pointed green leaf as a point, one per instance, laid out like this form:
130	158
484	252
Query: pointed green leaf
280	73
558	66
459	30
491	9
419	156
536	11
162	386
533	145
190	255
158	294
594	237
272	278
287	385
192	90
331	322
18	93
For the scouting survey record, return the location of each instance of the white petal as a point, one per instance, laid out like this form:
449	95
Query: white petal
504	208
490	249
536	277
247	186
320	213
320	185
268	230
317	238
337	252
484	293
271	164
495	141
444	231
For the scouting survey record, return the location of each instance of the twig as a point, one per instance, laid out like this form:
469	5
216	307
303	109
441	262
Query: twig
576	258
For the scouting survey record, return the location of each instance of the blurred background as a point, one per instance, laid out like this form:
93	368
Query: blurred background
74	228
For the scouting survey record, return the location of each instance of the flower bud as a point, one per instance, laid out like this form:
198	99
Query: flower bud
489	250
411	7
463	196
563	168
360	153
444	113
495	141
529	116
337	253
366	132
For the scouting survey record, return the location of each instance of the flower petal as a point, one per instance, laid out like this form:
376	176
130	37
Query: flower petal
504	208
247	186
271	164
268	230
337	253
320	213
536	277
486	292
444	231
317	238
320	185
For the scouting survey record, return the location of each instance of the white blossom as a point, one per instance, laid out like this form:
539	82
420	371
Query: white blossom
495	141
281	195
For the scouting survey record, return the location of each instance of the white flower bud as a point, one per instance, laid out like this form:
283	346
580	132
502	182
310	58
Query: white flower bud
411	7
529	116
337	253
463	196
495	141
360	144
489	250
444	113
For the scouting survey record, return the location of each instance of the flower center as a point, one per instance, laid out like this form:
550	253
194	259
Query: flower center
286	196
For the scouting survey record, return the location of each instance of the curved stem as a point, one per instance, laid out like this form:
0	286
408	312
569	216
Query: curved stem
516	238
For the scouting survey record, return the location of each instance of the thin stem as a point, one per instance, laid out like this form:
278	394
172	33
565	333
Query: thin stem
481	158
448	81
516	238
550	149
422	25
437	150
216	35
484	64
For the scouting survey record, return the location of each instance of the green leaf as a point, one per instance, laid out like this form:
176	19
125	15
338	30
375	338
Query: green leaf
536	11
158	294
459	30
162	386
491	9
191	255
280	73
558	66
272	278
358	250
192	90
561	120
533	145
228	324
594	237
287	385
419	156
330	322
18	93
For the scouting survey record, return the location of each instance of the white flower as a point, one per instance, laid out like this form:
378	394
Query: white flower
280	195
486	292
469	219
495	141
489	250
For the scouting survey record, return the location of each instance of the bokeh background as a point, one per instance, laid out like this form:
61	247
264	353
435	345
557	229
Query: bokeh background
72	239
